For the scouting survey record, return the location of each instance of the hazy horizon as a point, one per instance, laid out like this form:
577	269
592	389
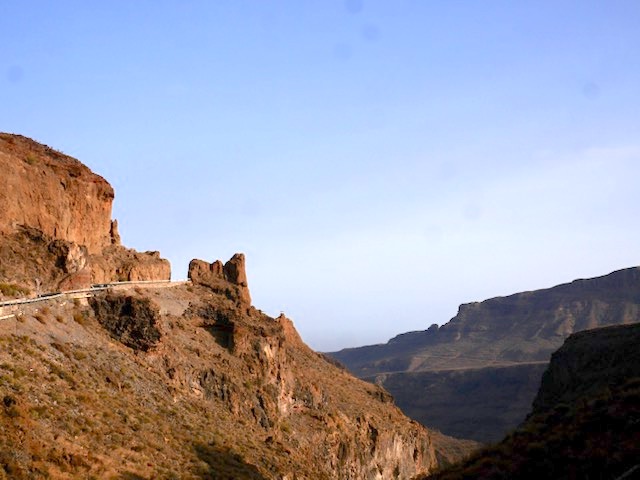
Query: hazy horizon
378	163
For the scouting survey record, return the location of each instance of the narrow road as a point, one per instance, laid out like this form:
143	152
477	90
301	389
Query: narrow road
87	292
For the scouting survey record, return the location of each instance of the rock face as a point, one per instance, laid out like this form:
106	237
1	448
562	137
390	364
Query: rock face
230	277
117	263
129	319
56	194
56	231
504	332
584	422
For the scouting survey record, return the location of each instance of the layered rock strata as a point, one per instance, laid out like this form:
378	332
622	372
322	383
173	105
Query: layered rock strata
54	193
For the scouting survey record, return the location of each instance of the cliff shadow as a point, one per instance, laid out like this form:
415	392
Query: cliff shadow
224	464
131	476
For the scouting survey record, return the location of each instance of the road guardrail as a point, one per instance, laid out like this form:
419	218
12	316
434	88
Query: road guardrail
89	292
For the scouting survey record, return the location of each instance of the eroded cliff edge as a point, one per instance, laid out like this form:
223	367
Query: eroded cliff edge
56	230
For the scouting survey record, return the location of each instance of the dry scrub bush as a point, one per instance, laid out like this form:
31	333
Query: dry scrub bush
13	290
79	318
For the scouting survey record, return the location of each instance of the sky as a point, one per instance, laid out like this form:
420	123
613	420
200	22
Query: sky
378	162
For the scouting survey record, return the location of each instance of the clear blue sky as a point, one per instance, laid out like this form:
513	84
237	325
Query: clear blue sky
379	162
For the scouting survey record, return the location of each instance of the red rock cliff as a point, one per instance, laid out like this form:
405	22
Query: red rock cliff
56	231
56	194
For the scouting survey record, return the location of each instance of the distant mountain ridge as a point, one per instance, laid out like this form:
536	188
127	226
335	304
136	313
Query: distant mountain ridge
520	330
523	327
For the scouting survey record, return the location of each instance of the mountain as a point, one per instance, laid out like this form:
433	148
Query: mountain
165	380
585	417
478	403
496	349
56	231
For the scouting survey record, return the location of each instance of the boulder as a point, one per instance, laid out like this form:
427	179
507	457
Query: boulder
230	278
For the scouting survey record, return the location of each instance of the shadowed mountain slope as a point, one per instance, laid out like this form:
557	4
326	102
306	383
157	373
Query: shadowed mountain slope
585	418
482	403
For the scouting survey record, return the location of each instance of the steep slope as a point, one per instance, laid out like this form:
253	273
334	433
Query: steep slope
190	382
56	231
482	403
513	335
585	418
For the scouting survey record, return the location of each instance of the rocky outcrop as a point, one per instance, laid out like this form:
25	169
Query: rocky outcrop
117	263
128	319
41	264
50	191
230	277
584	421
56	231
503	332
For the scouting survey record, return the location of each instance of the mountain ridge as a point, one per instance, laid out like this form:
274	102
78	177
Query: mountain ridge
467	322
518	332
